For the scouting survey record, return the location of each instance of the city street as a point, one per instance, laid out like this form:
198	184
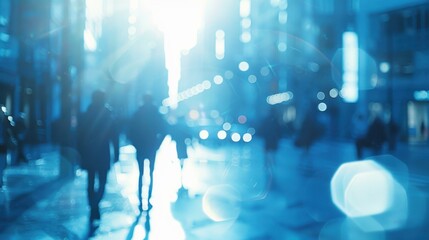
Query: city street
227	194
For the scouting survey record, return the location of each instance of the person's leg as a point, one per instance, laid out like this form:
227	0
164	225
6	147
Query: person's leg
140	162
102	180
91	192
151	169
359	147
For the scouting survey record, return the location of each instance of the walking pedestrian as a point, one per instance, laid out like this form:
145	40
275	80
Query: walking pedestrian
7	141
96	134
181	134
146	132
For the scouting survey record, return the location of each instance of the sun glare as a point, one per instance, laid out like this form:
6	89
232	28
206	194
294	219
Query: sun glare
180	22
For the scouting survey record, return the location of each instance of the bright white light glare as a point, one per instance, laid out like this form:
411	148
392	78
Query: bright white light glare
243	66
218	79
132	19
369	193
222	203
204	134
275	3
180	22
221	134
282	17
247	137
245	7
246	23
220	44
226	126
93	23
90	41
235	137
130	149
363	188
279	98
206	84
322	107
384	67
246	36
350	64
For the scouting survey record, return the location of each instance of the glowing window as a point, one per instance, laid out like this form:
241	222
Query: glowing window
350	66
220	44
245	7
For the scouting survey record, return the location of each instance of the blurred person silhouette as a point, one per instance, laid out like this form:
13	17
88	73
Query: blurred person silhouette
96	135
271	132
7	140
20	133
360	126
310	131
181	133
146	132
392	133
423	130
374	137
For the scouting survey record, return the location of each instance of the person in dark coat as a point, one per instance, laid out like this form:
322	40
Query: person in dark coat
96	134
270	131
181	134
310	131
20	133
146	132
374	139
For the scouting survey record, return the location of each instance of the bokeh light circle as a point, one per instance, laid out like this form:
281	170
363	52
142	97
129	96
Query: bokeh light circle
222	203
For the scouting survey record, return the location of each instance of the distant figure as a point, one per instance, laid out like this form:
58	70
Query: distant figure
374	138
271	132
310	131
181	134
423	130
392	134
7	141
20	133
96	133
146	132
359	126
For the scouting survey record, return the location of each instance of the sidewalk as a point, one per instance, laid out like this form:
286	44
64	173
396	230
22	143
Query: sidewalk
227	195
25	184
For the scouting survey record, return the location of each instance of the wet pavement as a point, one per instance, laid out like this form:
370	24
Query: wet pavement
227	193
